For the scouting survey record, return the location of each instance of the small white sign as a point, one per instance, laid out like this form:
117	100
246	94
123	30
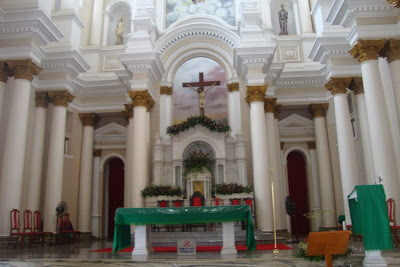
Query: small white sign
186	247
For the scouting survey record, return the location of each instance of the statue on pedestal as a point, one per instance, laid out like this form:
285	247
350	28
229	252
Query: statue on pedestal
283	17
120	30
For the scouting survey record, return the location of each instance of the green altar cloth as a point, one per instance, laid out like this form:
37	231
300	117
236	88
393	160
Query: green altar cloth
124	217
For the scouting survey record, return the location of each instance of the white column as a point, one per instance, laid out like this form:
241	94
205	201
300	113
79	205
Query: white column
235	116
4	73
280	176
228	238
86	172
296	12
97	22
142	240
165	110
324	166
95	221
270	104
381	138
364	129
129	148
139	153
316	205
265	7
55	165
262	181
12	167
305	16
36	160
347	151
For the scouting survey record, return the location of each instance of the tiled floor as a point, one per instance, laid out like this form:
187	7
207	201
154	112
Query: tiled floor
78	254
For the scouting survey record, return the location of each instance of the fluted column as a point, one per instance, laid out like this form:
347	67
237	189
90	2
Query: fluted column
324	165
235	116
140	153
165	110
392	53
97	22
358	89
95	220
36	159
86	171
316	195
16	127
55	165
305	16
269	108
128	114
347	151
262	183
366	52
4	74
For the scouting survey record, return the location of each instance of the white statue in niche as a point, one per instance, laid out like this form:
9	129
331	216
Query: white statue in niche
283	17
120	30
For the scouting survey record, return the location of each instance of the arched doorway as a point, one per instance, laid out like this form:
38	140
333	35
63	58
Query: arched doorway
297	177
114	193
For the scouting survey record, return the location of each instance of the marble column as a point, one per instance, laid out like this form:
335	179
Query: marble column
383	154
262	183
55	165
128	114
235	114
4	74
165	110
324	166
140	153
316	195
305	16
95	213
36	159
269	108
358	89
347	151
97	22
16	128
86	171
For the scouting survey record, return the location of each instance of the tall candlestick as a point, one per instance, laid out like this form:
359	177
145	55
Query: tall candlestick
271	171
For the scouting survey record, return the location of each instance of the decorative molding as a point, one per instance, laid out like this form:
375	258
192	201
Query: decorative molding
338	85
270	105
256	93
5	72
166	90
97	153
42	99
296	127
60	98
142	99
277	110
367	50
391	50
23	69
311	145
88	119
318	110
233	87
110	134
357	85
128	113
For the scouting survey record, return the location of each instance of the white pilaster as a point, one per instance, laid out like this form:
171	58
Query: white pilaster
316	205
95	220
165	110
97	21
305	16
129	148
235	121
280	202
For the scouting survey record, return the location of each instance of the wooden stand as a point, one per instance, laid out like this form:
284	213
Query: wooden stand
328	244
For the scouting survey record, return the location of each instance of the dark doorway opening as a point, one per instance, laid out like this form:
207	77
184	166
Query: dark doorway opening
115	192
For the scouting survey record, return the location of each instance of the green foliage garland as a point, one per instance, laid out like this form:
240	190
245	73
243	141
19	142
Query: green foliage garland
191	122
228	189
196	161
161	190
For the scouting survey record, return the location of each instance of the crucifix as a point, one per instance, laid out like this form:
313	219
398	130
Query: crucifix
200	90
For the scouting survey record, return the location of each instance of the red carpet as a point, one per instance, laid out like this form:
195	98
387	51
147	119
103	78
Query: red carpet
200	248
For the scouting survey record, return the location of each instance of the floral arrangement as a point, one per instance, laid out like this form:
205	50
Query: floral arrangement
196	161
228	189
158	190
302	251
191	122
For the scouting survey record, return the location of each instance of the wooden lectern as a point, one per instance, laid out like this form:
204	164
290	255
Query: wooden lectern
328	244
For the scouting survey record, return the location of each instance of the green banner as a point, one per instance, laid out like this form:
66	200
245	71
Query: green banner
183	215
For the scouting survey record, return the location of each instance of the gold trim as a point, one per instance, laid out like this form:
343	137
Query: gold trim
338	85
150	104
269	105
256	93
166	90
394	3
88	119
42	99
60	98
357	85
277	111
391	50
97	153
311	145
367	50
233	87
141	99
318	110
5	72
23	69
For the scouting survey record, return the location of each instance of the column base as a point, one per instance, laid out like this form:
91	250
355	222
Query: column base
374	259
228	251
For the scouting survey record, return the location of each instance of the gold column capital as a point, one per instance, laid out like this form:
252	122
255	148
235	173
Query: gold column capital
88	119
166	90
395	3
277	110
357	85
318	110
311	145
338	85
150	104
60	98
42	99
367	49
256	93
141	98
391	50
270	105
233	87
128	112
97	153
23	69
4	71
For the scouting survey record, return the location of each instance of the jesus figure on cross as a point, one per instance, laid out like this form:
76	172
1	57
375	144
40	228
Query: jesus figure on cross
200	90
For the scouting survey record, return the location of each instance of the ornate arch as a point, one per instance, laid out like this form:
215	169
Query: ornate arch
303	151
110	156
197	146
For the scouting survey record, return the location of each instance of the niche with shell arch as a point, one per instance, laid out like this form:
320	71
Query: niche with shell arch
116	10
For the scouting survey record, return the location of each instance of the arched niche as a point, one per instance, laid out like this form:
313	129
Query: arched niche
114	11
292	19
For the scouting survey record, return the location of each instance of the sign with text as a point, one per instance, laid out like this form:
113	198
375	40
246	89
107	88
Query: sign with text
186	247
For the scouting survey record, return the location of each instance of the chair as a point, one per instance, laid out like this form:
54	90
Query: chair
37	228
234	201
197	200
15	233
392	219
162	204
66	231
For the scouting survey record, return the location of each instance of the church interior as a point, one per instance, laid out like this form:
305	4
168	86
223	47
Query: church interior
273	104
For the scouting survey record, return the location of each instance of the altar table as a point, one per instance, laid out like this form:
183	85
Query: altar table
124	217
